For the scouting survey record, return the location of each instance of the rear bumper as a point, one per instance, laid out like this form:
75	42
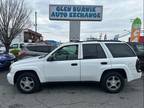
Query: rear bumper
134	76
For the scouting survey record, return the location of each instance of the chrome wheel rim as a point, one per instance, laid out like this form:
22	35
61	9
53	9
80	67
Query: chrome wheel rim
27	83
113	83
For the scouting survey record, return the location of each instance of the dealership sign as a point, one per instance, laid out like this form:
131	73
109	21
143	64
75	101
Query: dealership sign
75	12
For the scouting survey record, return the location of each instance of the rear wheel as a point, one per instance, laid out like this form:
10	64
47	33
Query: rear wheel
112	82
28	83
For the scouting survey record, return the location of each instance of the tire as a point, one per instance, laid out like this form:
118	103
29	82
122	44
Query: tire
28	83
112	82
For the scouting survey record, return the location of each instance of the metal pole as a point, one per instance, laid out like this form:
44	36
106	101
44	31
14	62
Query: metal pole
35	21
74	31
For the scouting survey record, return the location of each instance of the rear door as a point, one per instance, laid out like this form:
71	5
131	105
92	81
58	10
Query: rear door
123	55
94	62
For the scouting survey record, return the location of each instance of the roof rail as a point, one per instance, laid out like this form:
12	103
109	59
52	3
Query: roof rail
99	41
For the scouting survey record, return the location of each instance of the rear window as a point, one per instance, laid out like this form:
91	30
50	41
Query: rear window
14	46
120	50
21	45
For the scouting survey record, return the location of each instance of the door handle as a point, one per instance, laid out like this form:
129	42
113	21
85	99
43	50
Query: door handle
103	63
74	64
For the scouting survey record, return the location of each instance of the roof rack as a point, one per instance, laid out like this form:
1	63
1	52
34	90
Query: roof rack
99	41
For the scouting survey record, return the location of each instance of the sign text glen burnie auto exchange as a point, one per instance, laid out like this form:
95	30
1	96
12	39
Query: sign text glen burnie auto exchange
76	12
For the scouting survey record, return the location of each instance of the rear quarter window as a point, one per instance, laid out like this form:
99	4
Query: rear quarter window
120	50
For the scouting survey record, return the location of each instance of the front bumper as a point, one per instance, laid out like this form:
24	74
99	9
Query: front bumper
10	78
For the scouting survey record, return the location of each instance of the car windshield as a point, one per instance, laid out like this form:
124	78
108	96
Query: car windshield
44	55
40	48
140	49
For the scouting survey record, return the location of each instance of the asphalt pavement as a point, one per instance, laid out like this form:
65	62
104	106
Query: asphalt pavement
87	95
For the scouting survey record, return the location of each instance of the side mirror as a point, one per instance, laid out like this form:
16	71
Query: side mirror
51	58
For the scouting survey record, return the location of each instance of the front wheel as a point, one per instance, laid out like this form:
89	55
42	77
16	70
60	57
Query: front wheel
28	83
112	82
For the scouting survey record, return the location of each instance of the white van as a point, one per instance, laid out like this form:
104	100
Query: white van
2	48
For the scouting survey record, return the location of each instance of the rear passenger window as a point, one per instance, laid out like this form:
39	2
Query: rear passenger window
120	50
93	51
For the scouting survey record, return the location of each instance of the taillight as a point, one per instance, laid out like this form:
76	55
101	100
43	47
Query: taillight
138	66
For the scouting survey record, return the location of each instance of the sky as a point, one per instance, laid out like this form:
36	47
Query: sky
117	18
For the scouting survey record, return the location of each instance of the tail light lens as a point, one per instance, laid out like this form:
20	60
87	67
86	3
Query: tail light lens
138	66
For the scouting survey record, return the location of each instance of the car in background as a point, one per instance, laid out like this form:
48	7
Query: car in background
52	43
6	60
32	50
16	46
2	48
139	49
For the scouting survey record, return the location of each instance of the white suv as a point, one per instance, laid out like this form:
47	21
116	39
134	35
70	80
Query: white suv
110	63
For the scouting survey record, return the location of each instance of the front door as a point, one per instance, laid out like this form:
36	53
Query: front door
63	65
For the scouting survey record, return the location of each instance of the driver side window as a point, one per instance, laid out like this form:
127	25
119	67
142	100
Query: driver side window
66	53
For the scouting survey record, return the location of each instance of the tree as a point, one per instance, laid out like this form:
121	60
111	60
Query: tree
14	16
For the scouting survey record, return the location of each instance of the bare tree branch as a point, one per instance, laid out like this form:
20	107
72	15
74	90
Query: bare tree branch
14	16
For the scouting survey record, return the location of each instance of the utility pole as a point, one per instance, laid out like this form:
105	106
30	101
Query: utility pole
35	22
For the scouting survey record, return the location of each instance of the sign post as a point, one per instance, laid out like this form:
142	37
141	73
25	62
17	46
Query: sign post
74	31
75	14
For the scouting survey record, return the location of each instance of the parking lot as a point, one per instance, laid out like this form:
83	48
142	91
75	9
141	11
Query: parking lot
72	96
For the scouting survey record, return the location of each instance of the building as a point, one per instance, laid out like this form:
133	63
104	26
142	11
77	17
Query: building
32	36
28	35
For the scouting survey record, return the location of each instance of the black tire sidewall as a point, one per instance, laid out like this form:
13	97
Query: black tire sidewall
104	79
35	79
